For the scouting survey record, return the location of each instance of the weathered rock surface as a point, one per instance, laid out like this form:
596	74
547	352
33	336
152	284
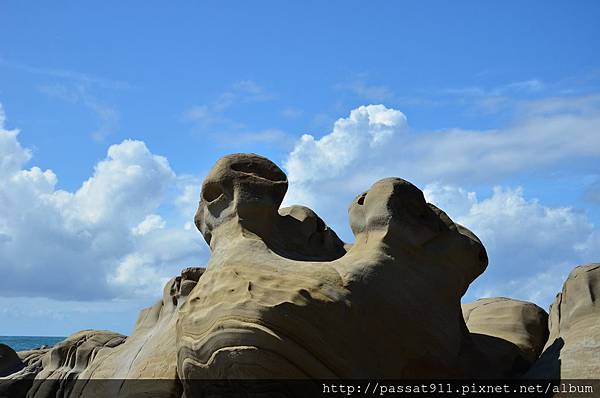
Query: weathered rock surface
150	352
283	297
268	308
9	361
573	347
31	356
53	372
507	334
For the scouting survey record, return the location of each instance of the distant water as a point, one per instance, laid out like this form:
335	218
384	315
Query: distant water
22	343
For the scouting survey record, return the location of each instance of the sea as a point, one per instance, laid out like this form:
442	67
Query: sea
23	343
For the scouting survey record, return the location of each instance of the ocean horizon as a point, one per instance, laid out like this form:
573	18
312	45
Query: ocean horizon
23	343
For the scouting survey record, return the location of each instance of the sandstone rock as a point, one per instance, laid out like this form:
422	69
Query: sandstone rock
150	352
284	297
9	361
189	279
31	356
310	235
271	306
508	334
573	347
53	372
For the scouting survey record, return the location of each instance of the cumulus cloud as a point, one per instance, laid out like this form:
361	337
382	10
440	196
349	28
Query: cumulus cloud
90	243
376	137
532	246
375	142
13	154
150	223
367	129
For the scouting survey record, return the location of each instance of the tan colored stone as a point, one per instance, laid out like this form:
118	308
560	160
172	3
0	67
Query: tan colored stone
265	308
509	334
573	347
284	297
150	351
62	364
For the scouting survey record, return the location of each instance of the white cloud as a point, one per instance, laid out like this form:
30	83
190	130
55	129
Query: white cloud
136	272
14	156
89	244
367	129
130	176
189	194
532	247
375	142
150	223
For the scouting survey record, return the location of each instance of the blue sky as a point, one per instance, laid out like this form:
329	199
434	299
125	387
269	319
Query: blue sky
492	108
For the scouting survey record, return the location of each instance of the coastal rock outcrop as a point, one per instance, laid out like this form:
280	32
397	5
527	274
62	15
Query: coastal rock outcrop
9	361
283	297
53	372
150	351
266	308
508	335
573	347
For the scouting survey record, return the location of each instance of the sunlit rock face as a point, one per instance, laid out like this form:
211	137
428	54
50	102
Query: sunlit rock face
281	297
53	372
573	347
149	353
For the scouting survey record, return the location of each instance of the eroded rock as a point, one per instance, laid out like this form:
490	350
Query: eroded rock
283	297
267	308
508	334
573	347
150	351
9	361
53	372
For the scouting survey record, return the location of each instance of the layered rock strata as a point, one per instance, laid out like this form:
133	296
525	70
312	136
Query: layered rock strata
284	297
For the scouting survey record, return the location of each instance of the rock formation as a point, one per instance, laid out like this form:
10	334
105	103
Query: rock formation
283	297
507	335
53	372
9	361
149	353
265	308
573	347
